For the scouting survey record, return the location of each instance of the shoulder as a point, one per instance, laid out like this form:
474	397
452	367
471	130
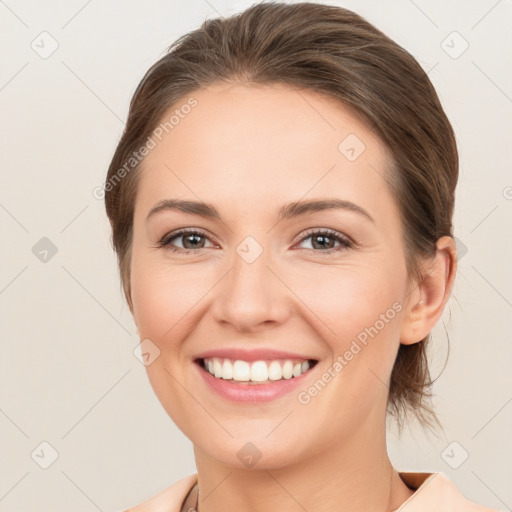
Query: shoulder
435	491
168	500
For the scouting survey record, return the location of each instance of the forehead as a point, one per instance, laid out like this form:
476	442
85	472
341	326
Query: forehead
244	142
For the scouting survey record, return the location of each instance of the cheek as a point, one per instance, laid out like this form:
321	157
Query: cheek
163	296
350	300
164	299
359	313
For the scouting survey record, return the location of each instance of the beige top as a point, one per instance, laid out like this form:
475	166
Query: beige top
433	492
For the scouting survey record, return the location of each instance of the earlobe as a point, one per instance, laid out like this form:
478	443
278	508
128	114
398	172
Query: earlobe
428	300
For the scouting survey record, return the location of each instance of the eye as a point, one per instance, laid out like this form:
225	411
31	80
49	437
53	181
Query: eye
192	240
325	239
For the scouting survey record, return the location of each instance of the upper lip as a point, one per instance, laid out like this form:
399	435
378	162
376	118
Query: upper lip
245	354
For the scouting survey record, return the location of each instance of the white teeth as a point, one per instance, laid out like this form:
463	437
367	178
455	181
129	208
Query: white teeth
274	371
288	370
241	370
227	369
257	371
217	368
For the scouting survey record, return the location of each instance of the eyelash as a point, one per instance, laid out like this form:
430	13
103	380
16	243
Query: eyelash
346	242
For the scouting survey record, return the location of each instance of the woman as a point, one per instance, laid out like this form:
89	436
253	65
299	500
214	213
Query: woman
281	204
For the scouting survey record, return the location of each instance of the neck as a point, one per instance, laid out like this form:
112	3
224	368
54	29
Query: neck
353	474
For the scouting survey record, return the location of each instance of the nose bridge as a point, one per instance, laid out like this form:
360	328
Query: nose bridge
250	294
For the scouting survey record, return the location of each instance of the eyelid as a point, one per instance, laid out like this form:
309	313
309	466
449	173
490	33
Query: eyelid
183	231
327	231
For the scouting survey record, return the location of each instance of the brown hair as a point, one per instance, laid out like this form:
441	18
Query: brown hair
337	53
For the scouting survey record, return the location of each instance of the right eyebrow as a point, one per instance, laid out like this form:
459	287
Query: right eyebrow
192	207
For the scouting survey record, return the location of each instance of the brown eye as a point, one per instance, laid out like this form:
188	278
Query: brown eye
325	241
190	240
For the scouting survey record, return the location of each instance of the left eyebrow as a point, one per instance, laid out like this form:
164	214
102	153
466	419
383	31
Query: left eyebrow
311	206
288	211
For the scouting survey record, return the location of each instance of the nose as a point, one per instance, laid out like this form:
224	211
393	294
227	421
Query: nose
251	297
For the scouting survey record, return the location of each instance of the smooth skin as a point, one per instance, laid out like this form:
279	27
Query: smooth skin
249	150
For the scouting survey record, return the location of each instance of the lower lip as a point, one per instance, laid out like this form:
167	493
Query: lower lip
243	392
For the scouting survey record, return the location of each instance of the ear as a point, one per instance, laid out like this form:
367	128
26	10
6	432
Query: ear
428	298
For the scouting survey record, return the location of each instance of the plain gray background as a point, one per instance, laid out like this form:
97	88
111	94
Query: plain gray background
69	377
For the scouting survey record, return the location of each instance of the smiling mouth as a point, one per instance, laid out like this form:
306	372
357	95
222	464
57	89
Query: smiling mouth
255	372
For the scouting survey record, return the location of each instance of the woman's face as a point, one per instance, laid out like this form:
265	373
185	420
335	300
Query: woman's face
265	279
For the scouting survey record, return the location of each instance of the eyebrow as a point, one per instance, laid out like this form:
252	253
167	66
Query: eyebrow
295	209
